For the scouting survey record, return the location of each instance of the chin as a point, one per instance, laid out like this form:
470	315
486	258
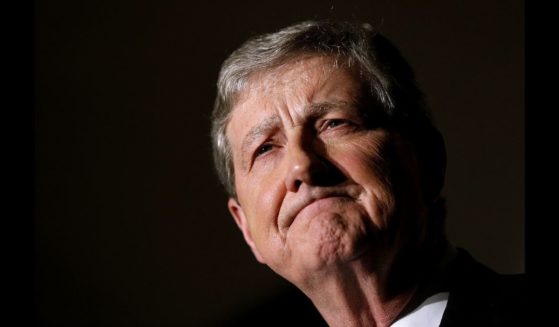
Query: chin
328	240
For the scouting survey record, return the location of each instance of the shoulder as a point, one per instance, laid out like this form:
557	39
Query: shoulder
481	297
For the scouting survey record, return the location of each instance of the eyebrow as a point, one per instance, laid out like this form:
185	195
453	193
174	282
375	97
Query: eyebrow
313	110
258	130
320	109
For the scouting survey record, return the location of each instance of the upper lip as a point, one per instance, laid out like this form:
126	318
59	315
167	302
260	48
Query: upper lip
297	205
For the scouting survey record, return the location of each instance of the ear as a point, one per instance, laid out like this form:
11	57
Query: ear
240	218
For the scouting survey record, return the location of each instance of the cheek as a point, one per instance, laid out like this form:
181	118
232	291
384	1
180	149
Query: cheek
366	157
261	198
367	161
268	189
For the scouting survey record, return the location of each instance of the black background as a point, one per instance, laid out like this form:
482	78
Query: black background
131	227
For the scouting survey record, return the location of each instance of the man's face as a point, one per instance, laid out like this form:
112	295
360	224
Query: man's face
317	185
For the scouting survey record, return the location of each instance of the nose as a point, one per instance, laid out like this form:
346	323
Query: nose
306	165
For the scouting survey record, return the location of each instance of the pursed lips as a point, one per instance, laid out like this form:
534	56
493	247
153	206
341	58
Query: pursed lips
292	211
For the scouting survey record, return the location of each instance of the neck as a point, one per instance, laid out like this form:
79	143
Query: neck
362	294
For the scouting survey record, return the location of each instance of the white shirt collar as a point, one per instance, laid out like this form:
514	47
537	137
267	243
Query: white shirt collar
428	314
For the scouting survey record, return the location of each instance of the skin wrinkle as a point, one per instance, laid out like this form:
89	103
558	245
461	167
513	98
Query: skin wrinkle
265	128
380	165
273	80
331	239
353	291
273	123
382	171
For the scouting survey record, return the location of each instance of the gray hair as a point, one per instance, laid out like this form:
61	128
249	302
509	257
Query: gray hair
390	79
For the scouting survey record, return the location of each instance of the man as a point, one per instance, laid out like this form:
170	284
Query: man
334	171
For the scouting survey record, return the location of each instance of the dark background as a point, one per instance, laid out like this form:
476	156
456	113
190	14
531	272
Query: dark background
131	227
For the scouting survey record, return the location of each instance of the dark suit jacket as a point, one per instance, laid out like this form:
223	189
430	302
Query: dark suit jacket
478	297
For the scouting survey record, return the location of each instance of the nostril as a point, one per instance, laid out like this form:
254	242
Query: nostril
306	165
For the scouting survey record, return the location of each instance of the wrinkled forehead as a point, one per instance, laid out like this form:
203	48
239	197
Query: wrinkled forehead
307	69
298	79
295	84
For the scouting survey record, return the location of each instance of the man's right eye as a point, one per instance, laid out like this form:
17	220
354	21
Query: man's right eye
263	149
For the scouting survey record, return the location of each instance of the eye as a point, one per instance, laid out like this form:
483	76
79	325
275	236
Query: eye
266	147
334	123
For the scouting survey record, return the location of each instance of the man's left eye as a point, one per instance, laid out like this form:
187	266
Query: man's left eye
332	123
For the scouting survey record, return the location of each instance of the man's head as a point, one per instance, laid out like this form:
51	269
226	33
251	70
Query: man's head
323	143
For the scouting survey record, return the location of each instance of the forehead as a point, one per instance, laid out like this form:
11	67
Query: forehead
305	74
288	90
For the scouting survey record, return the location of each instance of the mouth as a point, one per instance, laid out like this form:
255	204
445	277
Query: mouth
287	218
